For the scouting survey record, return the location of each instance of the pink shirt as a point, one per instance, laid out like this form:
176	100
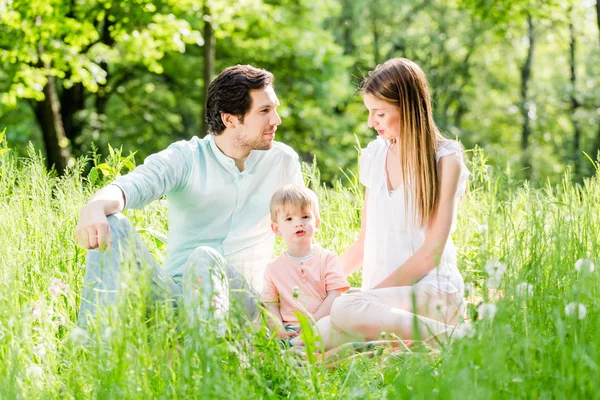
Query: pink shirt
313	277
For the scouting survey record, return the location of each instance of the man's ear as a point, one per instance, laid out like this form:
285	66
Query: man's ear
275	228
229	120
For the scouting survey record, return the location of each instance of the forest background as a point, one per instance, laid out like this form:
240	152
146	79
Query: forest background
515	77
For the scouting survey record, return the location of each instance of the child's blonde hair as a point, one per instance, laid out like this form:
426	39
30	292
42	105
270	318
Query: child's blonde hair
294	196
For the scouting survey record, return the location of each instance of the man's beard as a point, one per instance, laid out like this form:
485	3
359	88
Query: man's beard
257	143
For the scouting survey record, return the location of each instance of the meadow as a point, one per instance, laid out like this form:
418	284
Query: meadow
527	253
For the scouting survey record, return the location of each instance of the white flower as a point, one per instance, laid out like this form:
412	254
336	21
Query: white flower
482	228
58	287
525	289
36	312
79	336
494	281
495	268
584	265
487	311
39	350
576	309
108	334
469	290
34	371
464	330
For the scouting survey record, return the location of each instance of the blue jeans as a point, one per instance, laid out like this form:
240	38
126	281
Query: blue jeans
204	290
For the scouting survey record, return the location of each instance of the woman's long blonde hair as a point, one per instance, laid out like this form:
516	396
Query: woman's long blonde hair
402	83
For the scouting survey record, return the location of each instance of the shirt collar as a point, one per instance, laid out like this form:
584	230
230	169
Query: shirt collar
225	161
228	162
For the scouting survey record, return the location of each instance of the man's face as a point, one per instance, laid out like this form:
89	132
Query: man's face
260	122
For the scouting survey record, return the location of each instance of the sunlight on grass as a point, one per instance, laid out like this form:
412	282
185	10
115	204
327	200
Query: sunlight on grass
532	332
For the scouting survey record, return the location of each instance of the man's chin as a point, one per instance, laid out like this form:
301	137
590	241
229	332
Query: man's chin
264	146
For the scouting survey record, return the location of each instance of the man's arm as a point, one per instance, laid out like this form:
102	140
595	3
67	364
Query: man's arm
158	175
92	229
325	307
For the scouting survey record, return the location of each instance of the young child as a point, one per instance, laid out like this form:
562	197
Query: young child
306	277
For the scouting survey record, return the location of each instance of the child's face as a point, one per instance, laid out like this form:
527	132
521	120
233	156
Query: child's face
295	225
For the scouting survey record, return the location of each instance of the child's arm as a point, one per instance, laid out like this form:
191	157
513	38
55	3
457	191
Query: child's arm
325	307
274	321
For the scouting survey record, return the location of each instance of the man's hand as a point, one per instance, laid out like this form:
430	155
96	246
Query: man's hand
92	229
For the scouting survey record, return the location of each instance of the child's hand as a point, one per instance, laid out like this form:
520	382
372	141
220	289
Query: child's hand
283	334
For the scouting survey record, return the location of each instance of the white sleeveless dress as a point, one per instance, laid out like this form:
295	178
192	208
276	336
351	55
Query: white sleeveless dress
390	236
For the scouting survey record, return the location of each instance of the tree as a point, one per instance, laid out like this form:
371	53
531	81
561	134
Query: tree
65	55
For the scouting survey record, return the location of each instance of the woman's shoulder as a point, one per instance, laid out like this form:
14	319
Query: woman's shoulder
374	147
447	147
368	155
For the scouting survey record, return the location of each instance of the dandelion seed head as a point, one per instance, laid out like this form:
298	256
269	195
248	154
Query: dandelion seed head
469	289
482	228
494	281
495	268
34	371
487	311
464	330
39	350
525	289
108	333
576	309
584	265
79	336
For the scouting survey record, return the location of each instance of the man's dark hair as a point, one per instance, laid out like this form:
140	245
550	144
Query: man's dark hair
230	93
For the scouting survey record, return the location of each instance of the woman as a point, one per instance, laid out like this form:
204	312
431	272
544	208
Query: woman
414	178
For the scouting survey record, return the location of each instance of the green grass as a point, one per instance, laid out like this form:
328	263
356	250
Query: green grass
531	349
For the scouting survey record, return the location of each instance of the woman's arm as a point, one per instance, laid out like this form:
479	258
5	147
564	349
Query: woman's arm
352	259
438	230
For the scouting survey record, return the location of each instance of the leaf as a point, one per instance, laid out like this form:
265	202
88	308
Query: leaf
2	151
2	134
105	168
93	175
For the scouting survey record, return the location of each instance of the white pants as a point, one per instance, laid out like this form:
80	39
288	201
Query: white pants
365	315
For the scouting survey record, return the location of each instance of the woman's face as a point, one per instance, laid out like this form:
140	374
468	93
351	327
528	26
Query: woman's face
384	117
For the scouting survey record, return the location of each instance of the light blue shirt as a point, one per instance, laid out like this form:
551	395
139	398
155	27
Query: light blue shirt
211	203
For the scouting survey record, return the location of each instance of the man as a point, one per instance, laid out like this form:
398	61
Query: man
218	191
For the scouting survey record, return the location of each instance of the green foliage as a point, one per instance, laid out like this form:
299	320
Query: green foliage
130	72
535	346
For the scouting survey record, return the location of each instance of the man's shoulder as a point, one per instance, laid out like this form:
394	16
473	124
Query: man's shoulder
283	150
193	144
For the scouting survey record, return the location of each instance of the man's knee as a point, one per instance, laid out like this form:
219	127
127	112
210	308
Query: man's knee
206	255
119	224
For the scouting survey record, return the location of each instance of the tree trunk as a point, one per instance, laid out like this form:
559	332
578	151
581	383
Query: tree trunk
374	22
48	115
72	101
347	26
597	144
525	76
209	63
573	99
